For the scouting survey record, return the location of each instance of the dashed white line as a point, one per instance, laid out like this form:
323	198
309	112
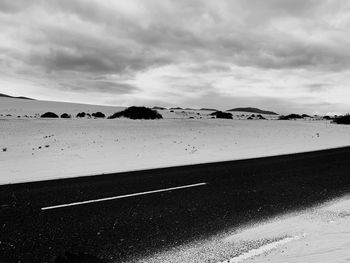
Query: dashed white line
122	196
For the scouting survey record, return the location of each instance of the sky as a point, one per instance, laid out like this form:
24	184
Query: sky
281	55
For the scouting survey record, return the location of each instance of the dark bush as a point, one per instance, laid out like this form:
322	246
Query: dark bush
135	113
306	116
65	116
49	115
327	117
260	117
342	119
81	115
290	116
98	115
221	115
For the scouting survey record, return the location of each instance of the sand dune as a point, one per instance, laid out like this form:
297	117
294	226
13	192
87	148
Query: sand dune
36	149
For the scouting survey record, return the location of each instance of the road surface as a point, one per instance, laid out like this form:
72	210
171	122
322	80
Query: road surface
115	217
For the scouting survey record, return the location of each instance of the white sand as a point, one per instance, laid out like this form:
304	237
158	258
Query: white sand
38	149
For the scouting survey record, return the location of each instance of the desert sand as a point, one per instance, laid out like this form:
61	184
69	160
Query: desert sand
40	149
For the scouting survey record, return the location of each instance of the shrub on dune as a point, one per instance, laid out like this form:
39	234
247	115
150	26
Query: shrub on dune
65	116
135	113
221	115
98	115
49	115
81	115
342	119
290	116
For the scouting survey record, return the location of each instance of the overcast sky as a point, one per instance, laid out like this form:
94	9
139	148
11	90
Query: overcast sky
282	55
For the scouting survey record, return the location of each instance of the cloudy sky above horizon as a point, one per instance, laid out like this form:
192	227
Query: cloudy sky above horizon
281	55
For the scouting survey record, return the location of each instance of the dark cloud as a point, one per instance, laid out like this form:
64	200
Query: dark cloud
124	42
9	6
99	87
116	42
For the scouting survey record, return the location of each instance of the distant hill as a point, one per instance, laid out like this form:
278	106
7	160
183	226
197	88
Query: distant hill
254	110
208	109
158	108
8	96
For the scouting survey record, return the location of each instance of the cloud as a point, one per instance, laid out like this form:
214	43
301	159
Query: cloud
179	50
318	87
99	87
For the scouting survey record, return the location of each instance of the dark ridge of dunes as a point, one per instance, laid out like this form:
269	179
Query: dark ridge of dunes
135	113
208	109
254	110
13	97
158	108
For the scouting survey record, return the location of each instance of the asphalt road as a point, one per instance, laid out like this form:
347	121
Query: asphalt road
123	216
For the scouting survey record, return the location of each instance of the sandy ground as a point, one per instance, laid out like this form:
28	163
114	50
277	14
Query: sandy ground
36	149
320	234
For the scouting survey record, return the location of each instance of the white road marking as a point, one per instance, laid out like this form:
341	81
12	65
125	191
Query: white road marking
122	196
261	250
